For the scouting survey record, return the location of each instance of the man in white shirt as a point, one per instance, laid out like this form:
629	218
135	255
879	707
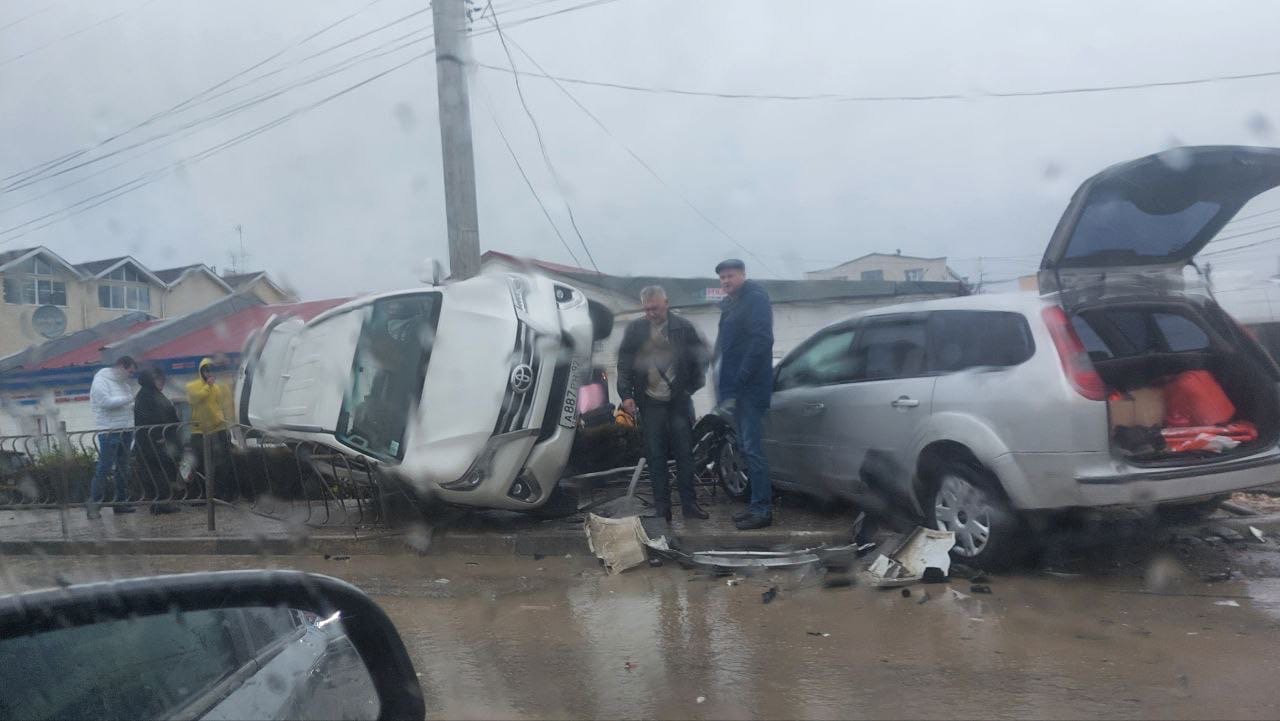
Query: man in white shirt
111	399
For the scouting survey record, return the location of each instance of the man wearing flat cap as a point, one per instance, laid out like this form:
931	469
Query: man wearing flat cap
744	361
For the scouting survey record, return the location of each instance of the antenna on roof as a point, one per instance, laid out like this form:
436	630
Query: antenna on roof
239	261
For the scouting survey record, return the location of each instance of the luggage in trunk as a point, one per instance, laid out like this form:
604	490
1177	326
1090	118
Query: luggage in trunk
1182	390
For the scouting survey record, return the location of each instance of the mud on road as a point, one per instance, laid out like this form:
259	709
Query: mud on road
1114	628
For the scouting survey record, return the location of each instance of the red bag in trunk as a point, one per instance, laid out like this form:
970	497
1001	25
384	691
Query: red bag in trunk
1194	398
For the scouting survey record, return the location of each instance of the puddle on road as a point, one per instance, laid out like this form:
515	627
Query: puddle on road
555	637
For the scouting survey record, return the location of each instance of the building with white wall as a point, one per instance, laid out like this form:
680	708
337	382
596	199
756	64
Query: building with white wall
893	267
800	307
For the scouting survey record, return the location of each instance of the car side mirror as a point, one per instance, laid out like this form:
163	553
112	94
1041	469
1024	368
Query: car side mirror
224	645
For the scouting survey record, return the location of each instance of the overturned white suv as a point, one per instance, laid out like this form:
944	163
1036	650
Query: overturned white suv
467	392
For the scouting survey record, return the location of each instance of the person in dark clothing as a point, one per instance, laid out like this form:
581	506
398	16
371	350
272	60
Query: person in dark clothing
744	358
662	362
156	440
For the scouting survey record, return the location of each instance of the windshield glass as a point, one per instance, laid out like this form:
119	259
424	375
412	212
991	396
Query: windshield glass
387	374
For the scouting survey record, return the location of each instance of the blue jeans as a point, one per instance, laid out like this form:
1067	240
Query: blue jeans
749	419
113	453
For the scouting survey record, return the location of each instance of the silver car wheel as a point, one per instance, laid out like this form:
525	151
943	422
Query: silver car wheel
965	510
732	473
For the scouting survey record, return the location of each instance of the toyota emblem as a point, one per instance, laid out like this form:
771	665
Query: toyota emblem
521	378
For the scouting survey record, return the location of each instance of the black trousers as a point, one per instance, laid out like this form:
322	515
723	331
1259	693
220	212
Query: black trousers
668	433
223	475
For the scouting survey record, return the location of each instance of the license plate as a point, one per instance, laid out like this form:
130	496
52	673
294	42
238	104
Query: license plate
569	411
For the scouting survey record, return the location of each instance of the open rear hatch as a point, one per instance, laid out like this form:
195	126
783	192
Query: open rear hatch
1185	384
1134	227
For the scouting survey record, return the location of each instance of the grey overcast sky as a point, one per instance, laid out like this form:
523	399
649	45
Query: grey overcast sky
347	197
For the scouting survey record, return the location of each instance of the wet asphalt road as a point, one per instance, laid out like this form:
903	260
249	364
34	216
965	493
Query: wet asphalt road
1134	635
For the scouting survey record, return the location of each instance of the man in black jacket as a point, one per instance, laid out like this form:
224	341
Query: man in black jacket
662	362
156	439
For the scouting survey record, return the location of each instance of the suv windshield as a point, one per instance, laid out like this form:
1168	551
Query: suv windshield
387	374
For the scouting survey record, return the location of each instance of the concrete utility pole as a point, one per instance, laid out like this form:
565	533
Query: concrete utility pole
450	19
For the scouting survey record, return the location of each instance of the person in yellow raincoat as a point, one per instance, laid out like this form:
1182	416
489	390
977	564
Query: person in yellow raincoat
211	412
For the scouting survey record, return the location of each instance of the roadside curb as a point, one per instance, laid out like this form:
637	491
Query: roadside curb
564	541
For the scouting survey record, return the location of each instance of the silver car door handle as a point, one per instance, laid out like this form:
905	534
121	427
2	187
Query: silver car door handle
905	402
813	409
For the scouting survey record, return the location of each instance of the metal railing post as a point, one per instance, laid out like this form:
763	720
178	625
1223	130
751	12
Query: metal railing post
209	476
64	481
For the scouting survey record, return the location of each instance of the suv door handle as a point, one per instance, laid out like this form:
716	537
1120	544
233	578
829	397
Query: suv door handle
905	402
813	409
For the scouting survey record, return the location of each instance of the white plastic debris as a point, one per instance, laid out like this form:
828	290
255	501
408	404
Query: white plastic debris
1258	534
702	699
1232	604
924	548
620	542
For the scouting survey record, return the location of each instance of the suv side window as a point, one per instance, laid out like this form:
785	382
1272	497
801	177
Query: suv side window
973	339
826	359
891	347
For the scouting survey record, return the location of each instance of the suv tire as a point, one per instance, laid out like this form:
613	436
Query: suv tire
968	502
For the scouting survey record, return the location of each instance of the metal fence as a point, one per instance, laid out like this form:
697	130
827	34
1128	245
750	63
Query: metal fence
160	467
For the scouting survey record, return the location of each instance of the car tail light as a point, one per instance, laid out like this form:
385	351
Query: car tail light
1075	359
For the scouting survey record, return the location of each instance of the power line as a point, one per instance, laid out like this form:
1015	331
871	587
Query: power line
41	168
40	171
73	34
28	16
1239	247
542	145
97	199
100	198
190	128
498	126
845	98
646	166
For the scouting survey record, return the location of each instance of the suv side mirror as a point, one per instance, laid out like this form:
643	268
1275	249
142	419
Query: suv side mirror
225	645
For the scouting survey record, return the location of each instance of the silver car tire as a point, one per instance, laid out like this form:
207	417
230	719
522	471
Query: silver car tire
988	533
731	468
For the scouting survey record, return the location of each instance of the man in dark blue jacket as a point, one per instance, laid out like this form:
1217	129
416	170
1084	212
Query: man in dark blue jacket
744	356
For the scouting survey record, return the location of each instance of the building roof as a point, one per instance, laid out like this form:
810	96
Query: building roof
237	280
220	330
95	267
95	338
14	256
684	292
687	292
10	255
90	354
879	255
169	275
172	276
241	281
100	268
491	255
227	335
